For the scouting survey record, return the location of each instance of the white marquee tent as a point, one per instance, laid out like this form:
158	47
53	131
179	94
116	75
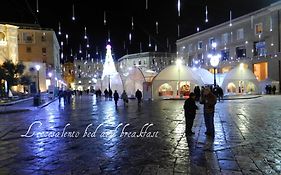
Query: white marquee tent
165	84
240	80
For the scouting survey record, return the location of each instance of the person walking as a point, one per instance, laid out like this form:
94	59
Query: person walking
273	89
189	113
110	94
116	98
105	93
124	96
209	101
138	96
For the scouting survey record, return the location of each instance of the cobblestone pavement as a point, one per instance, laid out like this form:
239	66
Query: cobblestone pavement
247	139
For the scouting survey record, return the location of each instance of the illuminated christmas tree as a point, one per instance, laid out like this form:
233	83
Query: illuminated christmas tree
109	68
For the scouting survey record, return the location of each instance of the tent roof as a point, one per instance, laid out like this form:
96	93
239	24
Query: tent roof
240	74
182	72
206	76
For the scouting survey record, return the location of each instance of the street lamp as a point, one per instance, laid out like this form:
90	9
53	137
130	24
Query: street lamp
38	86
214	61
178	63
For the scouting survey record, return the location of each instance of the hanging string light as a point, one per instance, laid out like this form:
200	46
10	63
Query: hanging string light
198	29
130	38
146	4
124	45
108	34
71	54
230	18
97	50
206	13
85	36
178	30
73	13
88	45
132	23
155	48
156	25
149	41
59	29
104	18
80	49
66	37
179	8
37	6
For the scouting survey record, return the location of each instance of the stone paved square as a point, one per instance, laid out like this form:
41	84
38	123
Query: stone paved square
247	139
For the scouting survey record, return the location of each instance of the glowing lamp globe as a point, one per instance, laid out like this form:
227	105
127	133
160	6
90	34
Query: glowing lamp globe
215	60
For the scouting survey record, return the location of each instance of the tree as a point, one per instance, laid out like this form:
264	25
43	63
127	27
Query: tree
12	73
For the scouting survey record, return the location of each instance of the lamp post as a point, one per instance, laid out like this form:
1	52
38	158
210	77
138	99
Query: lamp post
178	63
38	86
214	60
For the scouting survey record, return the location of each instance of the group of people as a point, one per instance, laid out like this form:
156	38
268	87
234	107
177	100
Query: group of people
270	89
209	100
125	98
65	95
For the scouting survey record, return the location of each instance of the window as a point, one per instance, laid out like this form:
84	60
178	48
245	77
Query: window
79	67
240	34
190	48
240	52
211	41
28	37
259	48
139	62
144	62
224	38
44	51
44	38
28	49
258	29
134	63
225	54
200	45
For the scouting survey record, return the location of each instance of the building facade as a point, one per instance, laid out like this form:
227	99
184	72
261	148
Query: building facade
8	43
39	46
86	73
253	39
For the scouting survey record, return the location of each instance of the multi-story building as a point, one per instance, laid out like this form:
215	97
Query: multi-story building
147	61
40	46
254	39
86	71
8	43
68	74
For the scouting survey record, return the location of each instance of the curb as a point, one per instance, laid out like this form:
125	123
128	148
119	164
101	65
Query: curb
14	111
242	98
47	103
15	102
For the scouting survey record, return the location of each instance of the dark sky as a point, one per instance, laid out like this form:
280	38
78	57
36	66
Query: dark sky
90	13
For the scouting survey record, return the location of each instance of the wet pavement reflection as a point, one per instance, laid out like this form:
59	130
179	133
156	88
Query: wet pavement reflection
90	136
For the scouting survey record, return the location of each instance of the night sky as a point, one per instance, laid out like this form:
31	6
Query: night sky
90	13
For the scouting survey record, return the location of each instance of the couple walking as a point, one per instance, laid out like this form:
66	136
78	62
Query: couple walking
209	100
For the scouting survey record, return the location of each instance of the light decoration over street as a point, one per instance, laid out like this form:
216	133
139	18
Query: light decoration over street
149	41
73	12
37	6
156	25
132	23
130	38
206	13
230	18
104	18
179	8
59	29
85	35
146	4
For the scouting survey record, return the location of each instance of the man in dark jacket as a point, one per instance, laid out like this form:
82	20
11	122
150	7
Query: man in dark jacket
116	98
209	100
189	113
138	96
